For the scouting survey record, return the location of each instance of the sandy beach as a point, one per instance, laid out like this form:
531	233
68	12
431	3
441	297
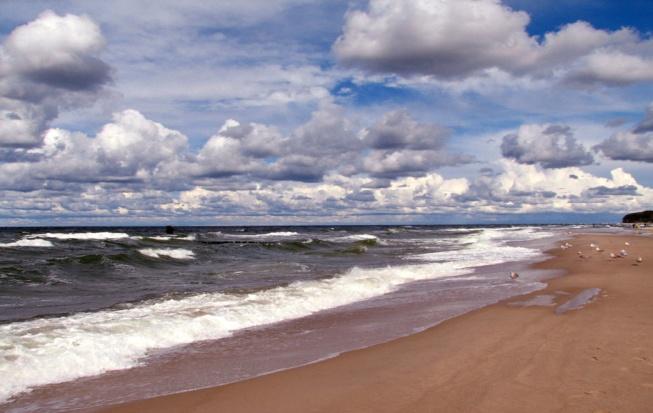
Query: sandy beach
539	352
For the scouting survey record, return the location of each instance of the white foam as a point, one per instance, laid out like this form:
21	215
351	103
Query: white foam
176	253
489	247
355	238
189	237
94	236
28	243
50	350
280	234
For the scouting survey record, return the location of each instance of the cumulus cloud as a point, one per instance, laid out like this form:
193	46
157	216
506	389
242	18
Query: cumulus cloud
531	188
398	129
132	148
613	68
238	149
58	51
47	65
628	146
646	125
552	146
635	145
135	150
328	132
458	39
401	146
604	191
409	162
515	188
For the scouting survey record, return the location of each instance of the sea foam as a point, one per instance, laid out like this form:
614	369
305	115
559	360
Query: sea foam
355	238
176	253
93	236
41	243
56	349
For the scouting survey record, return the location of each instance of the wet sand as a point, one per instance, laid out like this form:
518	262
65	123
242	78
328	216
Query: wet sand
595	356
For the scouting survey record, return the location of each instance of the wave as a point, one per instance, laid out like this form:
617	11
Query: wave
279	234
49	350
93	236
189	237
41	243
56	349
355	238
176	253
157	238
489	247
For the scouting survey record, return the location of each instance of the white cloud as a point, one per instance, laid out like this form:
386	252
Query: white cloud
628	146
530	188
398	130
612	68
552	146
59	51
459	39
132	142
446	38
635	145
131	148
47	65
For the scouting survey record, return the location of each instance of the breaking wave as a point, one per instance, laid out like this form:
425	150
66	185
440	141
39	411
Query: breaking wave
41	243
93	236
176	253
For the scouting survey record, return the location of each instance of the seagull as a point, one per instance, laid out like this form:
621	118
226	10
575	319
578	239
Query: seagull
640	260
623	253
514	275
592	245
612	255
598	249
627	243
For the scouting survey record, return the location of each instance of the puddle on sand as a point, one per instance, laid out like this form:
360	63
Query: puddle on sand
579	300
544	300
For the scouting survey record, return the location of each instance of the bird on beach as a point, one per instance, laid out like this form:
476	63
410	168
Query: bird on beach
592	245
514	275
598	249
613	255
623	253
640	260
626	243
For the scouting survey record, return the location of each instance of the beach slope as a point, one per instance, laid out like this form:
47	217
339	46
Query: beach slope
583	344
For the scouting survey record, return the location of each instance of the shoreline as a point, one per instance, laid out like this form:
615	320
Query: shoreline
255	352
393	376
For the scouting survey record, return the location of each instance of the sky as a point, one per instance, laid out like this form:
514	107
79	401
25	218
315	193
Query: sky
278	112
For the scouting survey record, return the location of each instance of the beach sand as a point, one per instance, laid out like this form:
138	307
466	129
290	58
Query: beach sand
525	354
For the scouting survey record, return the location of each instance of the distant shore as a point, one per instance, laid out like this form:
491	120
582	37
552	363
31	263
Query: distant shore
529	353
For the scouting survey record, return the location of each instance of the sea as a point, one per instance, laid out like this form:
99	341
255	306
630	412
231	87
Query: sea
96	316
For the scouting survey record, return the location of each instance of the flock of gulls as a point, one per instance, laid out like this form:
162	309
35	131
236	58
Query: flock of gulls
595	247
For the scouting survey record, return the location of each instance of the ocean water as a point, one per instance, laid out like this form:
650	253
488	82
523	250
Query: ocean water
80	302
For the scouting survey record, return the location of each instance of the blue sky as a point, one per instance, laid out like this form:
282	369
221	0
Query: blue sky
302	111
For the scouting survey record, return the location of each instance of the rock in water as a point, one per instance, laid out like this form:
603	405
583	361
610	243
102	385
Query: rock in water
170	229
